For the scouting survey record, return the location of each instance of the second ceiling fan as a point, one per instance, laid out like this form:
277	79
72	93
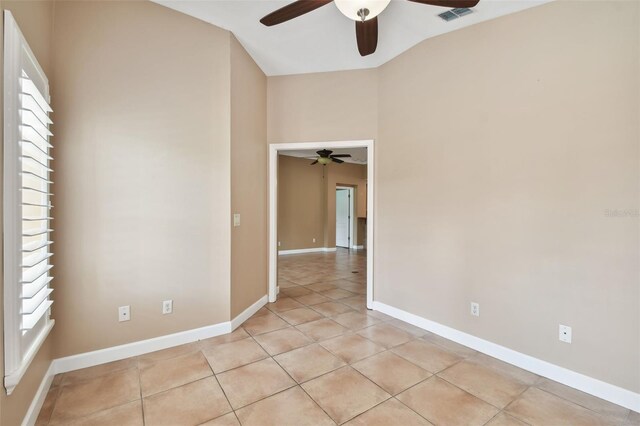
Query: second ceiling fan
363	12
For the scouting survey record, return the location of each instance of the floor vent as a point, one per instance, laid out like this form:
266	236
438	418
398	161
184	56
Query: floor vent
452	14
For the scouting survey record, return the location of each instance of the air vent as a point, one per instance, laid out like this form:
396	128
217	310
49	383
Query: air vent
452	14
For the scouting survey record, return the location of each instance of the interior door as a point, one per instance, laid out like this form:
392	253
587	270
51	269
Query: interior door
343	218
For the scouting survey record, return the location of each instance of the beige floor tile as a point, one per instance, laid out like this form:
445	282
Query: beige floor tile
282	283
170	373
379	315
490	385
409	328
511	370
386	335
234	354
351	347
538	407
391	412
277	342
321	286
444	404
322	329
456	348
312	299
503	419
593	403
337	293
309	362
176	351
264	324
97	371
123	415
90	396
237	334
228	419
391	372
296	291
57	380
300	316
284	304
47	407
344	393
261	311
291	407
356	302
248	384
432	358
633	419
190	404
355	320
331	309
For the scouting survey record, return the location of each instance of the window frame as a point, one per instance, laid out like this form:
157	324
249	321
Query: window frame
19	351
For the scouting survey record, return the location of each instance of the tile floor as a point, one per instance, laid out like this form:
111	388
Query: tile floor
318	357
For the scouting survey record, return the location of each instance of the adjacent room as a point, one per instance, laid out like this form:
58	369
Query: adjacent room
320	212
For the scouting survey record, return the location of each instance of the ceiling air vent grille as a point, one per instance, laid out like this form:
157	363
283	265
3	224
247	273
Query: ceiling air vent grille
452	14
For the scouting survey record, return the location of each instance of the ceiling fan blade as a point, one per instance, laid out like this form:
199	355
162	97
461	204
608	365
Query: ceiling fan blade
367	36
337	160
340	155
293	10
448	3
315	162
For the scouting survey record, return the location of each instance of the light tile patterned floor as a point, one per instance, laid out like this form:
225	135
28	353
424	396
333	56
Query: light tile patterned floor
318	357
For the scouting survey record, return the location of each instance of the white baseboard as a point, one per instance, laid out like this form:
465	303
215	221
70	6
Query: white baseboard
39	398
603	390
307	250
361	247
247	313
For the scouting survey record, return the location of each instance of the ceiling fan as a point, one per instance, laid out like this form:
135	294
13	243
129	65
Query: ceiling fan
325	157
363	12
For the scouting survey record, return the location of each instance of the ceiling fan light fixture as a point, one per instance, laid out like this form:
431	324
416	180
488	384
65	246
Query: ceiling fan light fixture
354	9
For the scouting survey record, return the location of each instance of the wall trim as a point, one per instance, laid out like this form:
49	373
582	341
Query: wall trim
247	313
307	250
39	398
595	387
360	247
141	347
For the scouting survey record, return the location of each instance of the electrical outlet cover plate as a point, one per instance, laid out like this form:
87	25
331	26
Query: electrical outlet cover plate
475	309
565	333
167	307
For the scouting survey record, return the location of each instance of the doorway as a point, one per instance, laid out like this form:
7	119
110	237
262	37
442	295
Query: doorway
368	207
344	215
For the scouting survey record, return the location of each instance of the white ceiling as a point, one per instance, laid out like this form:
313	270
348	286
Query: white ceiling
358	155
324	40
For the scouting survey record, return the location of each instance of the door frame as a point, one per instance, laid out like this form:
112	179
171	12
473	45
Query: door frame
274	149
352	218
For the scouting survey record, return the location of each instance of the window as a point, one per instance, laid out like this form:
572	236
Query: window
27	205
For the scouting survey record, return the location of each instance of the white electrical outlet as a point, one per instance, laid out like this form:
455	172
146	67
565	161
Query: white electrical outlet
564	333
279	243
167	307
475	309
124	313
314	240
236	219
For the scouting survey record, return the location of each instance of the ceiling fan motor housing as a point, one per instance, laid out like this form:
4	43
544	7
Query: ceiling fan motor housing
354	9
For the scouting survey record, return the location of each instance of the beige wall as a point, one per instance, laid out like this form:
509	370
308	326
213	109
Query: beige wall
141	96
301	204
322	107
498	149
248	180
307	201
35	20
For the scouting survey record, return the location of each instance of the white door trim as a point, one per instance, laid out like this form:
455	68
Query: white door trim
273	205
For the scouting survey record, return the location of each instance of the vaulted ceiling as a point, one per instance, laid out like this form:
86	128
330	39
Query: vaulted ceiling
324	40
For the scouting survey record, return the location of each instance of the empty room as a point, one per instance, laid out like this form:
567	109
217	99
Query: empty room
320	212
